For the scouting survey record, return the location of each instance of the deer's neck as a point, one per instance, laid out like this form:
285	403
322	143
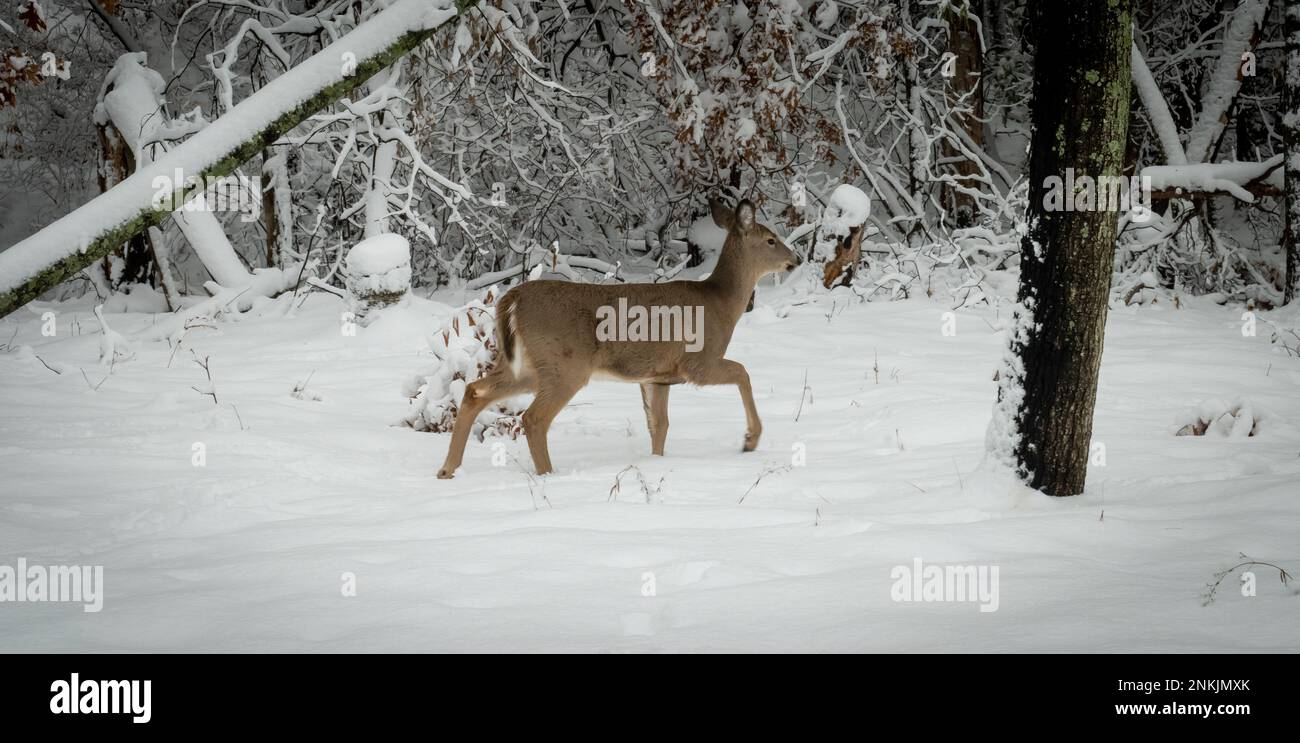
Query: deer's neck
733	279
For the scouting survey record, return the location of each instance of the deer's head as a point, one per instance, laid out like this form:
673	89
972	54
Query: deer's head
754	244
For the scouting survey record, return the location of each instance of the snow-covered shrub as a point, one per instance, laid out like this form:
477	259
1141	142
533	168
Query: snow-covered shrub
113	346
378	272
466	349
1214	417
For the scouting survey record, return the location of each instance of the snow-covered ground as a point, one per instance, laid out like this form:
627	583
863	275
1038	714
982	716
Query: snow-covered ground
250	551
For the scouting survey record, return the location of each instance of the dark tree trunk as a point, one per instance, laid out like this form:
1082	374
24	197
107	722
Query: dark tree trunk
1291	140
1080	120
966	88
135	257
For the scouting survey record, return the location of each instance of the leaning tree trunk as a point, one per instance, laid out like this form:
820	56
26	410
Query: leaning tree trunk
1043	422
1291	139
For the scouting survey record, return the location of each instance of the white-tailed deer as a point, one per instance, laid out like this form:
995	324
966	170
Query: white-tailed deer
555	336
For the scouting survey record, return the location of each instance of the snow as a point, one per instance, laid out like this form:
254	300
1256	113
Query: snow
379	265
706	233
1225	79
465	348
75	231
848	207
379	255
1228	177
746	130
249	552
131	99
1162	121
1002	438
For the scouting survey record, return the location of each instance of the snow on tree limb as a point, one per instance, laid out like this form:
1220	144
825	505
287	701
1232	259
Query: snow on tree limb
57	252
1235	178
1157	110
1225	80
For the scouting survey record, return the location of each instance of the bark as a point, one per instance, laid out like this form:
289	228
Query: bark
1080	120
1291	144
277	207
57	269
118	29
966	89
135	258
384	161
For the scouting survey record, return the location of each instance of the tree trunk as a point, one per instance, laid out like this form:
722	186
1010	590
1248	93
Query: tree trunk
966	89
277	206
1080	121
48	258
1291	140
131	263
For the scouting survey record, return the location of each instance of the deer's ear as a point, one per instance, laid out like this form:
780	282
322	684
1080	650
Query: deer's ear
745	216
722	216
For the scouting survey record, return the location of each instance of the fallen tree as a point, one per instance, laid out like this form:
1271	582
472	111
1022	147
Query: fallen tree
57	252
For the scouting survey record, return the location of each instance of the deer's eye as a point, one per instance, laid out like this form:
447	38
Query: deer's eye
771	241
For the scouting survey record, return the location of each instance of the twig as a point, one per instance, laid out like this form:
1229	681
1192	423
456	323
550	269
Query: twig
532	481
93	387
761	475
212	390
1222	575
649	492
47	366
802	395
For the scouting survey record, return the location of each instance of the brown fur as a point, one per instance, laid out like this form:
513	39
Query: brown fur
555	323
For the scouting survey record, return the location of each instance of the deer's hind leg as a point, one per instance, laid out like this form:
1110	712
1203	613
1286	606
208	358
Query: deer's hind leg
726	371
654	398
553	392
493	386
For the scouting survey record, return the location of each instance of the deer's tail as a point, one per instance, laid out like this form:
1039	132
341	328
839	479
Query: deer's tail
508	343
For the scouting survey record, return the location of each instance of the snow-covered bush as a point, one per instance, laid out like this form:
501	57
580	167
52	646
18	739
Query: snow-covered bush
466	349
1214	417
378	272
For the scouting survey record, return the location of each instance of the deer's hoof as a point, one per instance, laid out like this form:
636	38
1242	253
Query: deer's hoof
751	442
446	474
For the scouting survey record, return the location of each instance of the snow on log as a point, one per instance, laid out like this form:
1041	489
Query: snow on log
57	252
1162	121
1243	180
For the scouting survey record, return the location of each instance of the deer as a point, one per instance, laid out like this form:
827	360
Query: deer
550	341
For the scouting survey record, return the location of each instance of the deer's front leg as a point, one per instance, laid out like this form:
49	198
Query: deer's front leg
479	394
654	398
726	371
